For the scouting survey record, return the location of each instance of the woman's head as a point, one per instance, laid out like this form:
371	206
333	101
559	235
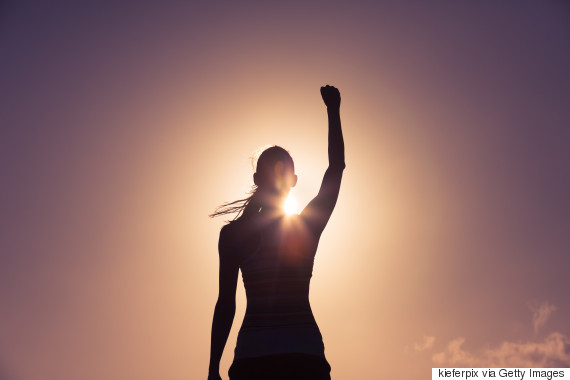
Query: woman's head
274	177
275	172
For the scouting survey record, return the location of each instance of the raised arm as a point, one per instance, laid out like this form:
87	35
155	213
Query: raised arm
319	210
225	306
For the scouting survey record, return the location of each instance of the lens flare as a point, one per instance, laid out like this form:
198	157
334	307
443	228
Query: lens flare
290	205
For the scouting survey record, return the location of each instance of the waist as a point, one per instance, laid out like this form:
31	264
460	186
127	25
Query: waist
263	319
273	340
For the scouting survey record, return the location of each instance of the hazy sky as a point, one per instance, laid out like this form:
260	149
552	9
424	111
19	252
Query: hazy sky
124	126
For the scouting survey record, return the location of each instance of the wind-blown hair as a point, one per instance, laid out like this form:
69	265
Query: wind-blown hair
251	205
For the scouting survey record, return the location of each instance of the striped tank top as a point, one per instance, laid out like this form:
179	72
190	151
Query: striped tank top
276	277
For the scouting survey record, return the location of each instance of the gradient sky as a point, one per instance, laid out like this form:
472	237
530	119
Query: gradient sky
123	127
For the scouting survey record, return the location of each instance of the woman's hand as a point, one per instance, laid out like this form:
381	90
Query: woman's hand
331	96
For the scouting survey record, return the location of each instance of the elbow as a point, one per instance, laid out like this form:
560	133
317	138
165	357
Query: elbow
226	304
338	166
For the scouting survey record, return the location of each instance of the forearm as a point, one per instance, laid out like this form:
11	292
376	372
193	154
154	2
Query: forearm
221	325
336	141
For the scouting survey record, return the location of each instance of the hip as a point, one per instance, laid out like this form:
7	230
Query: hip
288	366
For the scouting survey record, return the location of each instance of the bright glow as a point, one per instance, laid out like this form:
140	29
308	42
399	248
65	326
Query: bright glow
290	205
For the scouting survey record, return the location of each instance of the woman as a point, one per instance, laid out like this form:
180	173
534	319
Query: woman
279	338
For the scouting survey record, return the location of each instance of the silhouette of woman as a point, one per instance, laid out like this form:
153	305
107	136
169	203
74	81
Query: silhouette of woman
279	337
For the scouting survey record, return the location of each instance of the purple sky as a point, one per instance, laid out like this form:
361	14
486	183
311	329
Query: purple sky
124	126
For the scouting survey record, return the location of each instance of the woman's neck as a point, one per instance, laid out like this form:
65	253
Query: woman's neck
271	204
271	210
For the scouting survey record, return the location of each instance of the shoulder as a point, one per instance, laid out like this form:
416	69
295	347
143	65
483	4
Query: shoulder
225	239
306	222
227	236
233	230
225	231
238	237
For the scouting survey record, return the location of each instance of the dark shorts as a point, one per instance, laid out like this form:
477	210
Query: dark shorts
281	367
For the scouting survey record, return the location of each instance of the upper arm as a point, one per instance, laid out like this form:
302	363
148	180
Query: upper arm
319	210
229	268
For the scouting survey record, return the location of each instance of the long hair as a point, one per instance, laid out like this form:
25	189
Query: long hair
251	205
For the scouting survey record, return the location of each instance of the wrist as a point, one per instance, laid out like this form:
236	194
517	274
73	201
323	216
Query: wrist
333	109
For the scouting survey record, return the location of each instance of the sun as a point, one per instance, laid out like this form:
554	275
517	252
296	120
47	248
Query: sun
290	205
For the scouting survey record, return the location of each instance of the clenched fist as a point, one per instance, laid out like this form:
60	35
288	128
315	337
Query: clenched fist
331	96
